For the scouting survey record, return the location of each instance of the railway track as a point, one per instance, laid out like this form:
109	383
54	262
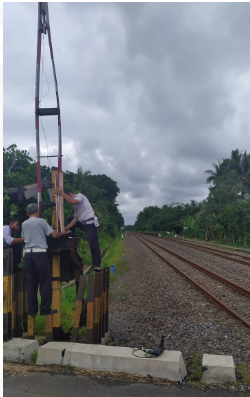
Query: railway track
215	251
198	272
227	255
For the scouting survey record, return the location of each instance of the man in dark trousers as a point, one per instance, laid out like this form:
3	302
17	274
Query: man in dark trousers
37	266
13	243
85	220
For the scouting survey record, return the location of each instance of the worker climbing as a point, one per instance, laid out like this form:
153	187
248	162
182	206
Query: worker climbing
85	220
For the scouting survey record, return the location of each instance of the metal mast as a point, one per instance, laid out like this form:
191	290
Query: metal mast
43	27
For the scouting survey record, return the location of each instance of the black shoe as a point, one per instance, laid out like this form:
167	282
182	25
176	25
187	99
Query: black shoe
32	315
51	312
97	269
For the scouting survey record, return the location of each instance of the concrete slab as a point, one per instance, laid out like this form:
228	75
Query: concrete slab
40	339
19	350
52	353
219	368
169	365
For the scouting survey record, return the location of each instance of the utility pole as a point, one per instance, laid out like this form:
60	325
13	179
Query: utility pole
43	28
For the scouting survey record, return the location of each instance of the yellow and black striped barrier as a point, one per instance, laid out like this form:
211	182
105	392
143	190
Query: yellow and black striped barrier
7	293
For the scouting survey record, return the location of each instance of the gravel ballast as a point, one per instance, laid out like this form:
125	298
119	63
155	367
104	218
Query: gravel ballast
151	299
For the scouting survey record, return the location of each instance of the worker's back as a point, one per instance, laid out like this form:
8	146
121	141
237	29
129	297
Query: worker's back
35	231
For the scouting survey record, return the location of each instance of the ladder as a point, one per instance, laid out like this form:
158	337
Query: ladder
44	28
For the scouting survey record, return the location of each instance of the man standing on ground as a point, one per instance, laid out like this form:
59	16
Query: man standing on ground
13	243
37	266
85	220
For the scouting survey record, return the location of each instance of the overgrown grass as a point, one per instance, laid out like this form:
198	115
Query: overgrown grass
195	369
243	373
114	256
68	302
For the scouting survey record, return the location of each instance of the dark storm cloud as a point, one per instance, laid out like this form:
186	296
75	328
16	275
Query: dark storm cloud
151	93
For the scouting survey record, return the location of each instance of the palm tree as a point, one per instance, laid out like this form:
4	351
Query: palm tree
216	173
81	184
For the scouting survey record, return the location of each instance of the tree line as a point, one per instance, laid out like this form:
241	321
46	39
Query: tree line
224	214
19	169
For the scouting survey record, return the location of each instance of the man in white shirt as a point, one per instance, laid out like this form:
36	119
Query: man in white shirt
13	243
85	220
37	266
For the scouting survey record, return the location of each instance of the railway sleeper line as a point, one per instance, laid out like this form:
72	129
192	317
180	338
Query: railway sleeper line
194	245
216	276
212	251
218	303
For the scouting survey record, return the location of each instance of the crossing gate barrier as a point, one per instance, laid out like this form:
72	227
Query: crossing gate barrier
94	308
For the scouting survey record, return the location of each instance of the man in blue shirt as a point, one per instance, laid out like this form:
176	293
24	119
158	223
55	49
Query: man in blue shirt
13	243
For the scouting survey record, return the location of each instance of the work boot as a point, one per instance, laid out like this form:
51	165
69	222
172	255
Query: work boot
51	312
97	269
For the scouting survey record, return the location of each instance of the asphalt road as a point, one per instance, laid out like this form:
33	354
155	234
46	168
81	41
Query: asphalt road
43	384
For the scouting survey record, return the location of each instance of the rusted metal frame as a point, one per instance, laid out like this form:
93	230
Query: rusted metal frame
90	310
56	88
78	309
210	250
37	89
107	299
211	297
236	287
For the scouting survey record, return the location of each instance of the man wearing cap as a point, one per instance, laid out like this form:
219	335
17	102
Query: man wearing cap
13	243
37	264
85	220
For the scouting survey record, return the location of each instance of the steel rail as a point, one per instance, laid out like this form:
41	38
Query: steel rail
210	250
188	243
210	296
216	276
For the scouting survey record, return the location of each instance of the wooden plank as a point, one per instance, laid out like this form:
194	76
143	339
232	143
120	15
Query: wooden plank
49	328
54	209
56	289
103	302
10	291
97	307
31	327
101	308
19	299
61	202
107	298
14	293
5	293
78	309
90	310
25	303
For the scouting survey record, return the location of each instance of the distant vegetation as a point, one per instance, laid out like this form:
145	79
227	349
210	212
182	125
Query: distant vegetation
20	169
223	215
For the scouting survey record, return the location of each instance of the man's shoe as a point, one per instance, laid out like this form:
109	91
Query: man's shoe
32	315
51	312
97	269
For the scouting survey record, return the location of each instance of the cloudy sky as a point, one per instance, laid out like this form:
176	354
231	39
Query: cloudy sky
151	94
